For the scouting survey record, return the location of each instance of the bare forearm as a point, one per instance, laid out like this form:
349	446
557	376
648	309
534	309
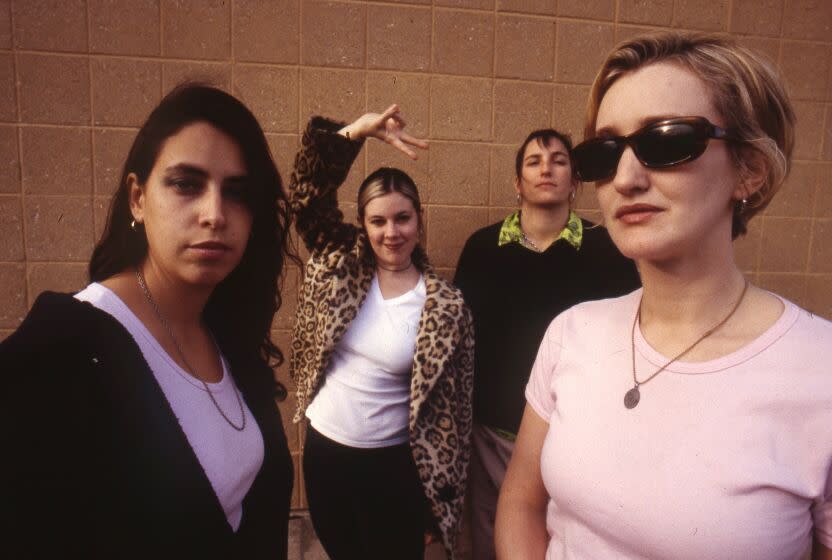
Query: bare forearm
520	531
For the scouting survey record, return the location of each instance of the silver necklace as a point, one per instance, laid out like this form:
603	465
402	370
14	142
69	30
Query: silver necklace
526	241
529	242
158	312
632	397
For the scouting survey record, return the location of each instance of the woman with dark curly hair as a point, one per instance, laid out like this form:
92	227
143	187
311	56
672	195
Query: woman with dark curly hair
139	415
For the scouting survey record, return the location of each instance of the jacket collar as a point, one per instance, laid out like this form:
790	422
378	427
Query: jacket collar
511	232
436	324
438	329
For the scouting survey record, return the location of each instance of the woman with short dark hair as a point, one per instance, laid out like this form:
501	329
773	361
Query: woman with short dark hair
516	275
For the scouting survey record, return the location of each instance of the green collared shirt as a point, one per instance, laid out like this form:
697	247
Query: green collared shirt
511	232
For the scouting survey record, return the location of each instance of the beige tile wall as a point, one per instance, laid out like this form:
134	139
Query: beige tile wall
77	77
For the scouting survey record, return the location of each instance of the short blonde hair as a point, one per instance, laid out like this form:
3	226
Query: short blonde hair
747	92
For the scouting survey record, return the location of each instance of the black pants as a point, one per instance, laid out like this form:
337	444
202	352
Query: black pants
364	503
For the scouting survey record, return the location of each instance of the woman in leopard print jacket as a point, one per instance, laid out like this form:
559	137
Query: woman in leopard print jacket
382	356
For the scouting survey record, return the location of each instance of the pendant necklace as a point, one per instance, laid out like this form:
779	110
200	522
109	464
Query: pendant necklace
158	313
633	396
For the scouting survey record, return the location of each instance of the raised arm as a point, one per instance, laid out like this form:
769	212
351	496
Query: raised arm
520	528
327	152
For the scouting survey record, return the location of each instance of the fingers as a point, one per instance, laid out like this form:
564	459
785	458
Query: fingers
413	141
390	112
388	126
402	147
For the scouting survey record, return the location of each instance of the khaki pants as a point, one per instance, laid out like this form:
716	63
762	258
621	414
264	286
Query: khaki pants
488	468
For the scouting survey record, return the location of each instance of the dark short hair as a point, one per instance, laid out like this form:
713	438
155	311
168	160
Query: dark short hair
544	136
241	307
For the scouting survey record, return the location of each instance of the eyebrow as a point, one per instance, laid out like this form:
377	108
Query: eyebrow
396	215
538	155
189	169
186	168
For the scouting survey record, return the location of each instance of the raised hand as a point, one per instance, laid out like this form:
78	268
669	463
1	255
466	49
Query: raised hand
388	127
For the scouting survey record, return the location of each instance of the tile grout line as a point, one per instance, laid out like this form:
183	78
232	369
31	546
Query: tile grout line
161	32
554	47
365	155
493	78
90	130
232	87
291	66
19	134
813	213
431	66
299	69
428	123
729	18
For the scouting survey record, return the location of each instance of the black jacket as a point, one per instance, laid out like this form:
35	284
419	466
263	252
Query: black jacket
95	464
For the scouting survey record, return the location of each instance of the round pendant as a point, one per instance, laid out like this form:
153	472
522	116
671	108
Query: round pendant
632	397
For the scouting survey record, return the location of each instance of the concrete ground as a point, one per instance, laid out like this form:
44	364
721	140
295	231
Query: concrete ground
304	544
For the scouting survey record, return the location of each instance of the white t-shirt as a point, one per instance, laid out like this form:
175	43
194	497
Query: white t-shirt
729	458
365	397
230	459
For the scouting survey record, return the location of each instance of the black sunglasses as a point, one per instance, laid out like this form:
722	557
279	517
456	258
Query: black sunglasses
661	144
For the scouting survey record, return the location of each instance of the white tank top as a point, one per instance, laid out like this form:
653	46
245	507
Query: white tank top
365	396
230	459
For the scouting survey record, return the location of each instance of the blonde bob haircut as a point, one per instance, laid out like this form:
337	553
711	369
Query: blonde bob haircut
746	91
386	180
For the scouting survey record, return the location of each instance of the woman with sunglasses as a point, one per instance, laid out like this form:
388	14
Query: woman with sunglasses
138	415
692	418
382	355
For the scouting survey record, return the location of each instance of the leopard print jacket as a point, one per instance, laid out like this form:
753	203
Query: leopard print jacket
337	278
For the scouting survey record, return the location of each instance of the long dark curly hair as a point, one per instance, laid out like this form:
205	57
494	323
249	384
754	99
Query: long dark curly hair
242	306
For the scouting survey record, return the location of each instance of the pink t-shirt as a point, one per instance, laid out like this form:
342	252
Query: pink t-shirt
730	458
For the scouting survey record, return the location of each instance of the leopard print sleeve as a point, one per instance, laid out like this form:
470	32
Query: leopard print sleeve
464	365
464	370
321	165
